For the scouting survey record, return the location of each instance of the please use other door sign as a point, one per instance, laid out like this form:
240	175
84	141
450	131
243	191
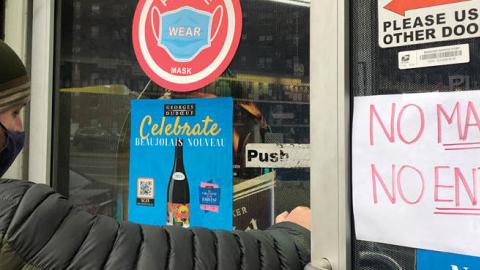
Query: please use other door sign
406	22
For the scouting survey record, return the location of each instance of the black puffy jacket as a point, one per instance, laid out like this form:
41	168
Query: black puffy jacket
41	230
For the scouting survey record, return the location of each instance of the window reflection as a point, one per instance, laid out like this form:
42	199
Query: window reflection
2	20
98	76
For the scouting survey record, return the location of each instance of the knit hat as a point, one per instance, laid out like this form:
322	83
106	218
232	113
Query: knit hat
14	83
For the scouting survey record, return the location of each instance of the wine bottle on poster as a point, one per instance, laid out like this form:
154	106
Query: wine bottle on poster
178	193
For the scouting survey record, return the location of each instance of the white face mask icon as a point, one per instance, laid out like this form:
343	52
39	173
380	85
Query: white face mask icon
184	32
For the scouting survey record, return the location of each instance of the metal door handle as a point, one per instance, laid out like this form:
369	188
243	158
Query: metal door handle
323	265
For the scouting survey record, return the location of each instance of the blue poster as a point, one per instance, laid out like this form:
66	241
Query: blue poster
434	260
181	163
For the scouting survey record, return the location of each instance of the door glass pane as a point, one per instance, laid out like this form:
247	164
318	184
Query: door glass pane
97	76
375	71
2	19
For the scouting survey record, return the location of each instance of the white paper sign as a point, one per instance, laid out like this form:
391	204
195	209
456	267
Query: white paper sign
416	170
407	22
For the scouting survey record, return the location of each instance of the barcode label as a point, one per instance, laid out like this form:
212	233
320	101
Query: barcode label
438	56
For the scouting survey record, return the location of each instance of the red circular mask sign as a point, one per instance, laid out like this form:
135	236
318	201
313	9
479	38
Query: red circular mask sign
185	45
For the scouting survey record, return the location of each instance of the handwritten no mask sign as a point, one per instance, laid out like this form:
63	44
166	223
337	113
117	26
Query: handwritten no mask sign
416	170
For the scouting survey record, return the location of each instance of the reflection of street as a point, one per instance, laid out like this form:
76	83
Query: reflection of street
94	180
100	167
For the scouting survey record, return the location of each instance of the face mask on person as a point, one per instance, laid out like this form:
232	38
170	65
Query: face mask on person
14	142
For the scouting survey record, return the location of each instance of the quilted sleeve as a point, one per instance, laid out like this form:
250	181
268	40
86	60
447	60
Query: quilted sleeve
284	246
41	230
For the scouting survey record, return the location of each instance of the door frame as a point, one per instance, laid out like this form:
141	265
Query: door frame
41	104
330	135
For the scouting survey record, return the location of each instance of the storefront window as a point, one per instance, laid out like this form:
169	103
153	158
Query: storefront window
97	76
2	19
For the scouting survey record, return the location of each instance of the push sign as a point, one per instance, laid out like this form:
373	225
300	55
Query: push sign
185	45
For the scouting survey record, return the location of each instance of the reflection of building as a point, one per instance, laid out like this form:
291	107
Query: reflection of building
108	106
275	40
96	49
96	44
269	71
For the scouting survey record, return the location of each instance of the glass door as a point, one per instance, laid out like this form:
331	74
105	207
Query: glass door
97	76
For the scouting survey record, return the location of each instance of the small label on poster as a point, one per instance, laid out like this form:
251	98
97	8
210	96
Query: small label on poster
438	56
209	197
145	191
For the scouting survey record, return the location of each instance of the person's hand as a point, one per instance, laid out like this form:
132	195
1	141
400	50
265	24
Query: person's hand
300	215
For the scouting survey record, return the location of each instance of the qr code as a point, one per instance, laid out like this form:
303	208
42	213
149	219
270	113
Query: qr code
145	188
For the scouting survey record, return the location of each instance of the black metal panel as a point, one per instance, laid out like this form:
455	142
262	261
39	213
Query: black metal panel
375	71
